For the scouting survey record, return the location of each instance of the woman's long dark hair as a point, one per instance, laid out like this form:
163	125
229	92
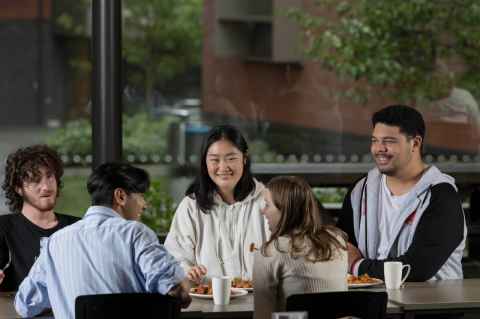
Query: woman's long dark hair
301	221
203	188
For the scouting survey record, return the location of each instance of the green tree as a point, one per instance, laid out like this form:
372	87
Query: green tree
161	38
414	49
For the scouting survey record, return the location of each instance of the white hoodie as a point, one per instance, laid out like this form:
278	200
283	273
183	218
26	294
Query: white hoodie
220	240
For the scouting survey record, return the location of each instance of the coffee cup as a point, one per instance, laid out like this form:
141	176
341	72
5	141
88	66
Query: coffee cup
393	271
221	287
290	315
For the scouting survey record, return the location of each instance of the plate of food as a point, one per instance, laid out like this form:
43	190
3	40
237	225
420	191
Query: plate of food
362	281
205	292
242	283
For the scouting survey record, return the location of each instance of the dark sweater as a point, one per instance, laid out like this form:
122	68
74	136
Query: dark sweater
22	238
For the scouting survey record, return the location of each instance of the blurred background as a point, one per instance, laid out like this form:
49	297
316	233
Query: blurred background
301	79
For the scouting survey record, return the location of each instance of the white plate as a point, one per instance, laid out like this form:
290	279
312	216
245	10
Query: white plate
366	284
247	289
236	292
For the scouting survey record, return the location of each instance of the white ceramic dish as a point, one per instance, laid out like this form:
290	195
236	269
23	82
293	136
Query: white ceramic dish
366	284
236	292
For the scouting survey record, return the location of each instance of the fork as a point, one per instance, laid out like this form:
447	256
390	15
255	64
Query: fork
9	261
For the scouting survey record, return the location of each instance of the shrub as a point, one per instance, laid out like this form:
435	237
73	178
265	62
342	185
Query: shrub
142	135
161	209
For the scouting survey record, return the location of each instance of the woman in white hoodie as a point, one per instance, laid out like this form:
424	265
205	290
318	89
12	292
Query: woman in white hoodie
219	218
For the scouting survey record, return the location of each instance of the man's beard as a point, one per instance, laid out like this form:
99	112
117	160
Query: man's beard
41	206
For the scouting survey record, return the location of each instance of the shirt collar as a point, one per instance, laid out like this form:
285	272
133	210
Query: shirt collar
101	210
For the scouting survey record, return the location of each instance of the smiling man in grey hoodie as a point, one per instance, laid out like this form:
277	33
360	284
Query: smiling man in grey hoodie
404	210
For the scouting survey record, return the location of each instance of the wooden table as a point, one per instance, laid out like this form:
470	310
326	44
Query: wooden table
444	296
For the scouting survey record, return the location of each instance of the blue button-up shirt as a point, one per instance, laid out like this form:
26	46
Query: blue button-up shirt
102	253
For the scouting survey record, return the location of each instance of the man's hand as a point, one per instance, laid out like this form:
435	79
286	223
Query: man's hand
2	275
196	273
353	255
181	291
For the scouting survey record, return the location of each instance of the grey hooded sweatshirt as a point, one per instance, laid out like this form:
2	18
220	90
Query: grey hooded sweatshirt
429	233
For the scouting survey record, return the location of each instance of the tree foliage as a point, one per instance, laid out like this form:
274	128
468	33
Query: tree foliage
142	135
413	49
160	38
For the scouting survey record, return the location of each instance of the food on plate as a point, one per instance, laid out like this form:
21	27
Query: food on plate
362	279
205	289
241	283
202	290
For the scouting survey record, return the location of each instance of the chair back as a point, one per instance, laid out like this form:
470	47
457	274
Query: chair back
127	305
359	303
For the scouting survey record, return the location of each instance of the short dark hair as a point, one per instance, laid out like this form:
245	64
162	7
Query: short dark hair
109	176
408	119
203	187
24	165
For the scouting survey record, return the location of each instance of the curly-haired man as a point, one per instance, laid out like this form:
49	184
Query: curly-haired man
31	186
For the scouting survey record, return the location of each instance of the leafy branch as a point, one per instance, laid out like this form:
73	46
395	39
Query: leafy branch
414	49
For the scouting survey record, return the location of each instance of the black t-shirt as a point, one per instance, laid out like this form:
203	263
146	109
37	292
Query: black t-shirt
22	238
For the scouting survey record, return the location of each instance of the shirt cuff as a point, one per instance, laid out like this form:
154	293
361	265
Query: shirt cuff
177	278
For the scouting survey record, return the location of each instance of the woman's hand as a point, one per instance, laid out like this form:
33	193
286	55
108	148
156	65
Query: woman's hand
2	275
196	273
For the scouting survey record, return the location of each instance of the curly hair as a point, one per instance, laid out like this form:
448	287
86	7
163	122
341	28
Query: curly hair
24	166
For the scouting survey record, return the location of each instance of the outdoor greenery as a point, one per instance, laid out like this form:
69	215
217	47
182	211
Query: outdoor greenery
415	50
142	135
161	39
161	208
261	151
74	200
330	194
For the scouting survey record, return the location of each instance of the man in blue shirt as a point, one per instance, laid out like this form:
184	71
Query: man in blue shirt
108	251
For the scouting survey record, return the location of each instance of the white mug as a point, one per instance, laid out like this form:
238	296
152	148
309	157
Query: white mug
290	315
393	274
221	287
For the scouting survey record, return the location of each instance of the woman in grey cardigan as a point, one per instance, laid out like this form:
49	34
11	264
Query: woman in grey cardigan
302	255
